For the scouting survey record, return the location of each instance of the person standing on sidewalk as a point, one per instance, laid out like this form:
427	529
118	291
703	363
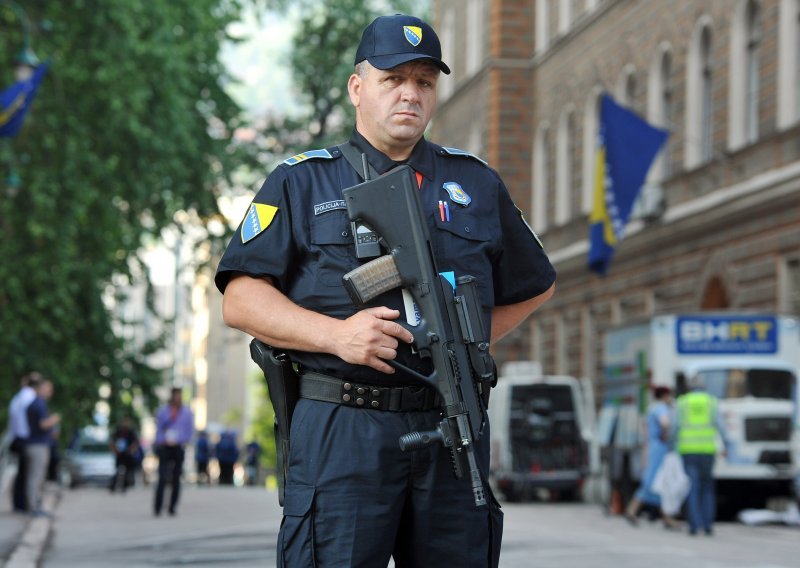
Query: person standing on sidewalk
659	442
352	497
37	448
18	427
697	424
174	429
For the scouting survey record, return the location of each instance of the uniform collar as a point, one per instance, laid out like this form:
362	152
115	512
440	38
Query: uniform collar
420	160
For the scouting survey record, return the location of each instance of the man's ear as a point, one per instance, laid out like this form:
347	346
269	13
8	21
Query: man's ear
354	89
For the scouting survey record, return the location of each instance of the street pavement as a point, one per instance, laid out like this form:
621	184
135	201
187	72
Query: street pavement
237	526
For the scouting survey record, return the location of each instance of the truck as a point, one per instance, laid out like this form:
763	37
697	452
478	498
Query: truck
540	430
748	361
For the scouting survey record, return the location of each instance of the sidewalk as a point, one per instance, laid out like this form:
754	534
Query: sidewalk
214	526
22	537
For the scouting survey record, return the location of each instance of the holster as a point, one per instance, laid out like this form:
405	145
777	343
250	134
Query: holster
283	393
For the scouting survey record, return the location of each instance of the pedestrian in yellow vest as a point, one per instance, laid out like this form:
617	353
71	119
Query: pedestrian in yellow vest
697	425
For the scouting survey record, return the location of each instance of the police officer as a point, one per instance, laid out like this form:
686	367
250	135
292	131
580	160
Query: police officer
352	498
697	423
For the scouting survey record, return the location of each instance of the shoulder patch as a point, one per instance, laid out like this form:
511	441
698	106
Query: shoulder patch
463	153
307	155
258	218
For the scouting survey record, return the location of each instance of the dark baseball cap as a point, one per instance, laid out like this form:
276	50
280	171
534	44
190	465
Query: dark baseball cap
390	41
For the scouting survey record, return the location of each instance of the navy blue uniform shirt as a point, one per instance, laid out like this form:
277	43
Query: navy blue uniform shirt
307	246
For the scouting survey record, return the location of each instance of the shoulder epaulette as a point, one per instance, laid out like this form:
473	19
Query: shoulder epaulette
462	153
309	154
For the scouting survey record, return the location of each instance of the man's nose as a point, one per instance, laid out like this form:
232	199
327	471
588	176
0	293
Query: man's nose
410	92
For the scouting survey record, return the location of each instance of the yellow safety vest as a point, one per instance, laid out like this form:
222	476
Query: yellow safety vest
697	432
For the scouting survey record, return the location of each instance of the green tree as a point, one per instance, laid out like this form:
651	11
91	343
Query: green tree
130	125
262	428
323	49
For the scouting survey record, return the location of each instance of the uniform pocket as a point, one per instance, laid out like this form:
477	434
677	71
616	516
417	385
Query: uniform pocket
465	245
332	243
296	541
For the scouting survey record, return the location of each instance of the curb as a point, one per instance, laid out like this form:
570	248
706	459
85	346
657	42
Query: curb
29	549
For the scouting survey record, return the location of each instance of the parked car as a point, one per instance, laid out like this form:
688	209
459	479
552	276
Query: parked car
89	460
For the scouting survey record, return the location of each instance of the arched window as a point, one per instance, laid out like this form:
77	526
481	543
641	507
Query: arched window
564	165
699	139
626	86
542	23
591	121
541	159
706	99
744	82
665	120
659	108
753	20
564	16
475	33
789	63
715	297
448	35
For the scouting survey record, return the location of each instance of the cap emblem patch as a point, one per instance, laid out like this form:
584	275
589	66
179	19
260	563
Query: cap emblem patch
413	34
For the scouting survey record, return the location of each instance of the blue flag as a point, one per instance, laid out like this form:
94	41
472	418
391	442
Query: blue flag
16	99
626	148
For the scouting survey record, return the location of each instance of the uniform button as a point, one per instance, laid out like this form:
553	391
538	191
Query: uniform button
375	404
347	386
360	401
345	233
376	393
346	397
361	390
466	229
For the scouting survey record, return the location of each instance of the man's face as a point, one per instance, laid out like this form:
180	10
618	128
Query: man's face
45	390
393	107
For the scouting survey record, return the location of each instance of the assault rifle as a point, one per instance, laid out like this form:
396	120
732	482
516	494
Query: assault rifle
450	331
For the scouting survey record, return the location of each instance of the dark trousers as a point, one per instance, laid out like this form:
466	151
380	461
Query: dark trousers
226	473
19	497
202	471
125	467
354	499
701	502
170	466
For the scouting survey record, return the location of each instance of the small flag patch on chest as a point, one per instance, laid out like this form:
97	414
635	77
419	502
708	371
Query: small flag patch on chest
258	218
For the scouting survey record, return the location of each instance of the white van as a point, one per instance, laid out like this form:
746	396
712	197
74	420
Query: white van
540	434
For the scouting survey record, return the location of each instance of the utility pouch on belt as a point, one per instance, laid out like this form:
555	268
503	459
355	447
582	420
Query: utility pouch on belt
283	393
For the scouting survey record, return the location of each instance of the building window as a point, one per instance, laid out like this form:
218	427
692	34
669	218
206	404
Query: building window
706	99
794	57
448	35
789	292
475	33
564	165
564	16
665	118
591	121
542	25
788	64
745	69
752	73
626	87
699	139
541	158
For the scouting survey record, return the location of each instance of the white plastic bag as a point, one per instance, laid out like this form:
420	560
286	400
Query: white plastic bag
671	483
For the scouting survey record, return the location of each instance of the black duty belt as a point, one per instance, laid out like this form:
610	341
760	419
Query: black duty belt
325	388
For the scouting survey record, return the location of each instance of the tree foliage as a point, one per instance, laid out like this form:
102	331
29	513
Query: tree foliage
130	124
323	50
